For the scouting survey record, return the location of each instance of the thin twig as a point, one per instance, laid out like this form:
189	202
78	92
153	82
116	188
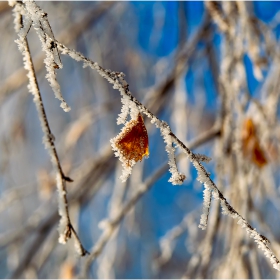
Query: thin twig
66	227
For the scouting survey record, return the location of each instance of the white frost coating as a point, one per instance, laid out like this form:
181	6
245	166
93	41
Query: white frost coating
204	158
134	112
225	210
52	61
78	247
126	172
124	111
17	12
32	87
27	22
177	178
61	210
203	177
42	26
215	194
51	76
127	169
128	106
206	207
156	122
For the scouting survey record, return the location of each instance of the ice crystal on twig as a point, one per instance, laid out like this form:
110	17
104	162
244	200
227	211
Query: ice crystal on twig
202	158
52	61
206	207
128	107
177	178
203	177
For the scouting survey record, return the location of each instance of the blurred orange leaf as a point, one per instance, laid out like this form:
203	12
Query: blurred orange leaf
67	270
250	144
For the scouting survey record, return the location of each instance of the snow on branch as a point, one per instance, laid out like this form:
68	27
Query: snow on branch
206	207
33	14
65	227
118	82
177	178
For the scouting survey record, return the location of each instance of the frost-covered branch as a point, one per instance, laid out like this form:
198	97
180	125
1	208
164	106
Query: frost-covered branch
110	225
35	16
118	82
177	178
69	34
65	227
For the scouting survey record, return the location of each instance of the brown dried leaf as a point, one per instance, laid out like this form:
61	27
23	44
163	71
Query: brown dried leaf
133	143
